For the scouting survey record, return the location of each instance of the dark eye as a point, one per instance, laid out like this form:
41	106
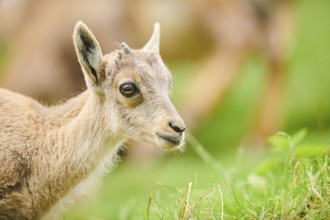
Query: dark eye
129	89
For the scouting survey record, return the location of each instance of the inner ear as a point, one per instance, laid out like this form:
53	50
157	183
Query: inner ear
88	52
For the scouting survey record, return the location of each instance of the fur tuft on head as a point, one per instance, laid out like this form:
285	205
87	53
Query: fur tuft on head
126	48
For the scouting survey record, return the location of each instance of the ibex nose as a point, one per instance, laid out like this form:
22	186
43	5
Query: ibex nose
177	126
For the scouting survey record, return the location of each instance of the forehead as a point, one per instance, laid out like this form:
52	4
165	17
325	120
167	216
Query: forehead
139	65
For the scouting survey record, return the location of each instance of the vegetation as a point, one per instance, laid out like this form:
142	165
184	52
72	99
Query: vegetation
293	182
217	177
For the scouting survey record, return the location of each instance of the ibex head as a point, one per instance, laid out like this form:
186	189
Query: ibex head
134	87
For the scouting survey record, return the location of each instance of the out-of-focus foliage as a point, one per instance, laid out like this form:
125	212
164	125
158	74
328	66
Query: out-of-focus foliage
306	97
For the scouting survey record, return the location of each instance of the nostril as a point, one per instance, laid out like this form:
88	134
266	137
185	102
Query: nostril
177	127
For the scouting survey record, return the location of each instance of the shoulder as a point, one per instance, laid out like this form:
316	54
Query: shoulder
12	102
14	171
10	96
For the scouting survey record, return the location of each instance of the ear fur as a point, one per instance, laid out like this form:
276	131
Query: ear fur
89	54
153	43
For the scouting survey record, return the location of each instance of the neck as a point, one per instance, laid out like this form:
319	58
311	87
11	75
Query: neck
82	146
85	133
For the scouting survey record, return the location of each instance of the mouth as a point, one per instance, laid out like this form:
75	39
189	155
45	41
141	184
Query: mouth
169	142
172	140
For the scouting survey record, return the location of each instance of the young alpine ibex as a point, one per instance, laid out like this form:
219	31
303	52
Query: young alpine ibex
50	154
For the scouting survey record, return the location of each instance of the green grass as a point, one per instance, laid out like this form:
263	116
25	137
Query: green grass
291	181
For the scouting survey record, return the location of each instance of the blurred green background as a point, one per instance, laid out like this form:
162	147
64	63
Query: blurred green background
305	104
305	101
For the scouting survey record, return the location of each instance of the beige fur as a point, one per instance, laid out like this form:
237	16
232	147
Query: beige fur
49	155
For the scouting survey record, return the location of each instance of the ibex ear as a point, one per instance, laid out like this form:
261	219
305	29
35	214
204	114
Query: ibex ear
89	54
153	43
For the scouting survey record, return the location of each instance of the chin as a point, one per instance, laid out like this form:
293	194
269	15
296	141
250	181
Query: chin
172	148
169	141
